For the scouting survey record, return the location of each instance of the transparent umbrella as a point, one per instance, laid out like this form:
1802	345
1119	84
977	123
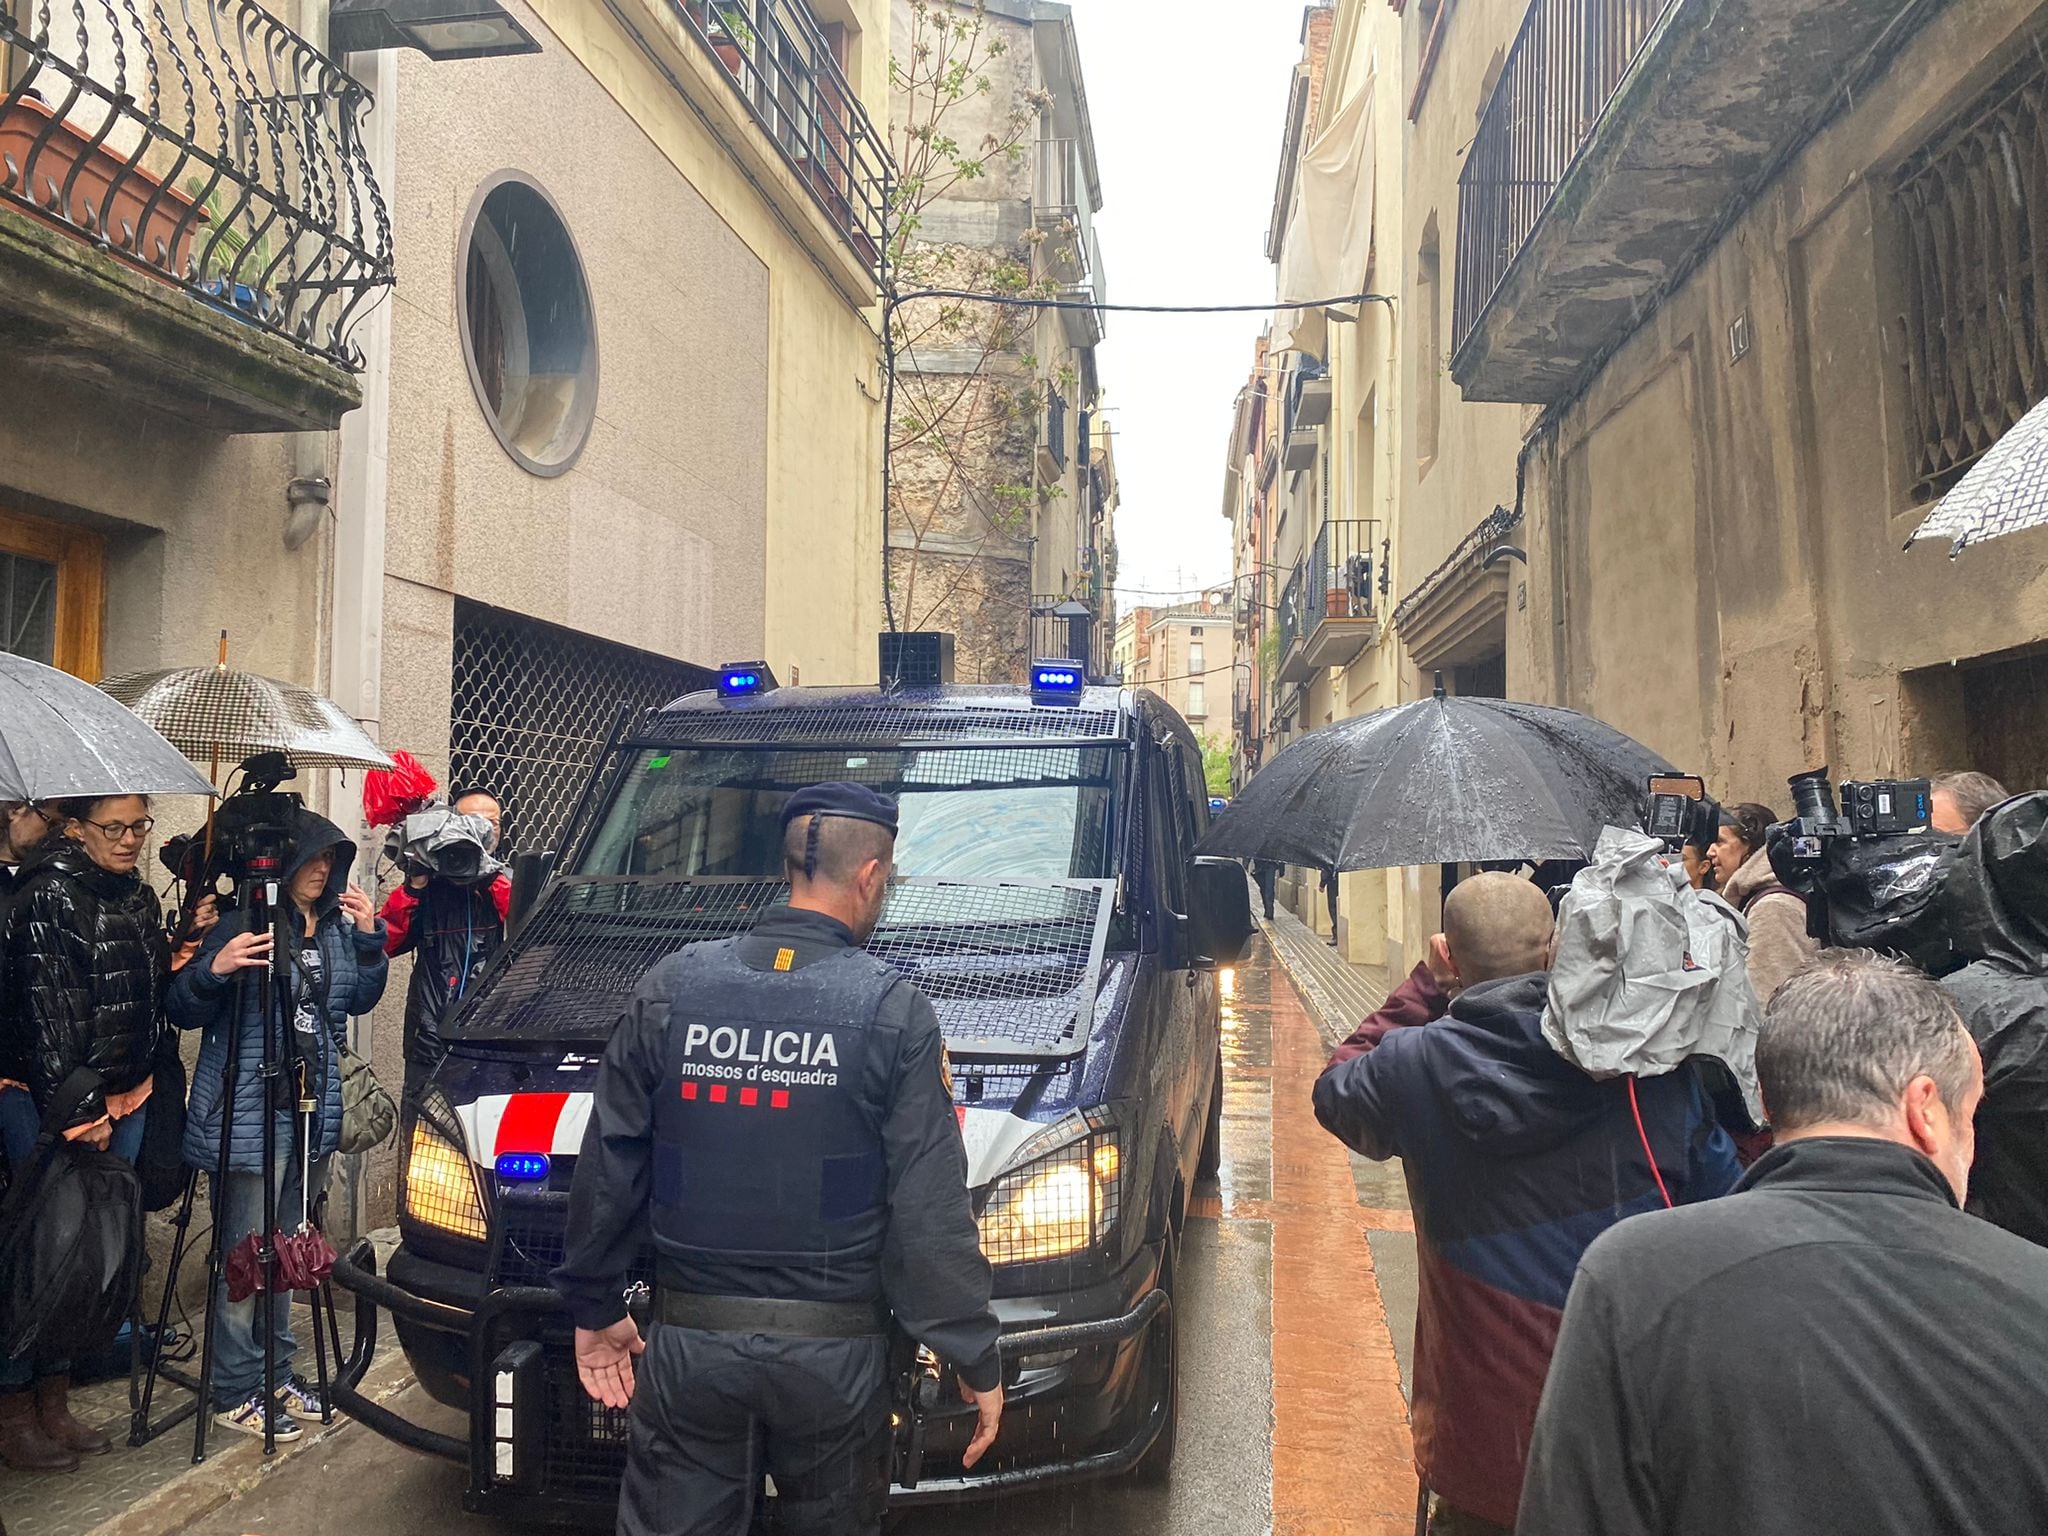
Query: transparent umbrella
61	736
215	715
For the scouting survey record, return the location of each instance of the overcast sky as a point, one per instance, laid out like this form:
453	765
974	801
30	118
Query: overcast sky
1187	98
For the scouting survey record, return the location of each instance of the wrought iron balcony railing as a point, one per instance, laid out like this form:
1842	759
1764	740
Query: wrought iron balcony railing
1342	572
784	68
206	143
1566	64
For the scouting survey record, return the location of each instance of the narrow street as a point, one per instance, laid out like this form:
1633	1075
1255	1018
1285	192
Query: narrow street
1300	1283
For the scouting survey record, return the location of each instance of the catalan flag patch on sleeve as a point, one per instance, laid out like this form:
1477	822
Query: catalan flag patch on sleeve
784	959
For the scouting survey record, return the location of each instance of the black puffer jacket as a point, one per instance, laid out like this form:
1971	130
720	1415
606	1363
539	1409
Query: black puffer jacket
87	962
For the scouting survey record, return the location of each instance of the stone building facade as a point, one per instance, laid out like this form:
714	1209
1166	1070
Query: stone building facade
1651	445
1001	525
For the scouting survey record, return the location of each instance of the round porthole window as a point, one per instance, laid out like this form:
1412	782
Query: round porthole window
527	332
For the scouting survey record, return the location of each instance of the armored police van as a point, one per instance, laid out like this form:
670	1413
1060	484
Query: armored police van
1049	905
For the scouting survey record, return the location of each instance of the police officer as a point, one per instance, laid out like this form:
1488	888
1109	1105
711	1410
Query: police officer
775	1109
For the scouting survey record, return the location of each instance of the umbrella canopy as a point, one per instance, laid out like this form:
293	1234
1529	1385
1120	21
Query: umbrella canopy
60	736
1440	781
2006	491
213	714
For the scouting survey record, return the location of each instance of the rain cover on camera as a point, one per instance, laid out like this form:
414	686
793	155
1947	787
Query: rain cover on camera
445	841
1649	971
1885	893
1013	968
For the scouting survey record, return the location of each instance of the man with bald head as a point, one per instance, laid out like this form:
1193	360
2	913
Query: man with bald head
1515	1161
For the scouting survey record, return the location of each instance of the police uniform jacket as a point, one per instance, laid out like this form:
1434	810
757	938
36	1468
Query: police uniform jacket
773	1110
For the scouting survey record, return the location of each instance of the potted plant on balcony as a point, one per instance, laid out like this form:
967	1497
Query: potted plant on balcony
43	155
732	39
230	257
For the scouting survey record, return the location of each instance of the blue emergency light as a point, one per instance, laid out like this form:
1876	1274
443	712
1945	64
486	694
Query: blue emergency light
745	679
1057	681
523	1167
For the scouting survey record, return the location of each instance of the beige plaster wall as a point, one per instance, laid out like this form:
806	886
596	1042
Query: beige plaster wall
1727	534
772	408
656	537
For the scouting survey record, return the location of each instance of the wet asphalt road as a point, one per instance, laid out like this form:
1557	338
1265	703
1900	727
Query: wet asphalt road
1312	1453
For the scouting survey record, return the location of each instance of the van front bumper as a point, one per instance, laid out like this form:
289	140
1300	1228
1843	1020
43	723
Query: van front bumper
1077	1368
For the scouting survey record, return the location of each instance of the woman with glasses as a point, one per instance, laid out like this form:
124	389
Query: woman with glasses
86	966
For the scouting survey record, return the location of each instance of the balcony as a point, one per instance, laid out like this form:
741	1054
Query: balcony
1332	611
188	218
1621	137
1308	407
1060	209
786	78
1085	327
1066	627
1293	667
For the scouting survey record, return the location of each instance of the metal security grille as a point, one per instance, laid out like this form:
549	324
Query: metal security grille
860	720
1012	968
532	706
1973	206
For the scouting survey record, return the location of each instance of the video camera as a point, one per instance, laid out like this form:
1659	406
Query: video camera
441	842
251	830
1680	812
1879	808
1871	870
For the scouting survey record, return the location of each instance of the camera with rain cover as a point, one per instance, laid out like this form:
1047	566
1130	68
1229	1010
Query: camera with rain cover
1877	808
251	830
441	842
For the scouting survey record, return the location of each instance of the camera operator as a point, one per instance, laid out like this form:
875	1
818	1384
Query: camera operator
1960	800
1515	1159
1776	914
1994	905
337	972
453	928
87	960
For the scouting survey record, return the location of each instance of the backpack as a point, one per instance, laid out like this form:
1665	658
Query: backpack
70	1239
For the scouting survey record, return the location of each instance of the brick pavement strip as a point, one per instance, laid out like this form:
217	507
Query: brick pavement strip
1342	1457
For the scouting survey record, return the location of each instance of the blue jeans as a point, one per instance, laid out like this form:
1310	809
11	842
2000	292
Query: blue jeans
20	1124
238	1344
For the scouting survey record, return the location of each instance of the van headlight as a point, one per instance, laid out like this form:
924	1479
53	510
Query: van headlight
1059	1196
440	1185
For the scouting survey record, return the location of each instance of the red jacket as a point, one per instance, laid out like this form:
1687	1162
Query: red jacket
1418	1000
404	903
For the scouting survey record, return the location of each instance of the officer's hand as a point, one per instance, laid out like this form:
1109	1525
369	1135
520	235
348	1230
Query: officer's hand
605	1361
991	1419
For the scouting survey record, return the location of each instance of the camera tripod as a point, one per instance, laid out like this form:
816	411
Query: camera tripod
260	895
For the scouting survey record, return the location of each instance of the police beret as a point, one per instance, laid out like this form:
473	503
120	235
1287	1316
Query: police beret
856	802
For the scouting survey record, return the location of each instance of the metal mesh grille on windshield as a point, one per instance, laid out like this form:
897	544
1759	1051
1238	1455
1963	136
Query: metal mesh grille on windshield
1009	966
858	723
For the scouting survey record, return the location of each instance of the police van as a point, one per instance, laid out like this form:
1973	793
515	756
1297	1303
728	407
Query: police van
1049	904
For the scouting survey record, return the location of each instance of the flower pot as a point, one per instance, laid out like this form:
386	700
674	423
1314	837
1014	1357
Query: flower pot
1337	603
147	222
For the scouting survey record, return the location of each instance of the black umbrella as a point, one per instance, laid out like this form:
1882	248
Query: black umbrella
1440	781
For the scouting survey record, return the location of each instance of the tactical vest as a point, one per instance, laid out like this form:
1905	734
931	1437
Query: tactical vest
767	1146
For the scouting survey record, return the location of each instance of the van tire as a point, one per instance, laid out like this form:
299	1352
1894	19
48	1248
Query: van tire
1210	1163
1156	1465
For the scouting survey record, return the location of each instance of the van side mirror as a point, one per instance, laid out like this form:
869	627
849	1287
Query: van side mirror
1219	911
530	872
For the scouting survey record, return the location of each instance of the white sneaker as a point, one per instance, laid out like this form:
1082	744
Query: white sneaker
247	1419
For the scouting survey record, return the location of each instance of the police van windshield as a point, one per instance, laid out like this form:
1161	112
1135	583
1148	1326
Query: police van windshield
1037	813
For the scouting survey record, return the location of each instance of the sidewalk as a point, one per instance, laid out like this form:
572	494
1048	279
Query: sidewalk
155	1488
1340	994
